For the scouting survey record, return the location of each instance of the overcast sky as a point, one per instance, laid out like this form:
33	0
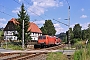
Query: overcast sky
41	10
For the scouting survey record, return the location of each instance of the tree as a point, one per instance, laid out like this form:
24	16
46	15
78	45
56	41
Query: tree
89	26
22	15
71	34
48	28
77	31
88	32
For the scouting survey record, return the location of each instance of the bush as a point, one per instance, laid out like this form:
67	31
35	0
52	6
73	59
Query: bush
79	45
74	41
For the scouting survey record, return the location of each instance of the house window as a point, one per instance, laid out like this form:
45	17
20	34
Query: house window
6	32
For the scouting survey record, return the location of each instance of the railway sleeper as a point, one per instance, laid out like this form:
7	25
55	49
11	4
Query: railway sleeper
26	57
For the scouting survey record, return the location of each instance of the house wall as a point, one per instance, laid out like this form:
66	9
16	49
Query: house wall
10	35
34	36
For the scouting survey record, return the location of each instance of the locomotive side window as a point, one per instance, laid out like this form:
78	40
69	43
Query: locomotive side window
42	37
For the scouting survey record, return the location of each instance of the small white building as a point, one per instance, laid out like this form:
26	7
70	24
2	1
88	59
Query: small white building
35	31
10	31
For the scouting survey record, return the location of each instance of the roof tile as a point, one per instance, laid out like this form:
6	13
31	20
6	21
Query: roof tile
34	28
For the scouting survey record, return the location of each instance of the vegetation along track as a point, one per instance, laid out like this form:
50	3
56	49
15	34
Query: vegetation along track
19	56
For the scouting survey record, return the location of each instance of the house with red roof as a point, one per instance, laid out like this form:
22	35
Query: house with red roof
10	31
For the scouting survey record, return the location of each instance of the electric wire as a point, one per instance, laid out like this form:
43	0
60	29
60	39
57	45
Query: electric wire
6	13
34	7
30	10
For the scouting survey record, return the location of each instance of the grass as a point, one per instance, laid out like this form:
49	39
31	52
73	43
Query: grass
1	33
12	46
56	56
83	54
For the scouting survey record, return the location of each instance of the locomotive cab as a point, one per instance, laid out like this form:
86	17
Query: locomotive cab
42	39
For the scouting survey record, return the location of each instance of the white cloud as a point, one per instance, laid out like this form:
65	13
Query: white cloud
61	3
16	10
82	9
85	25
58	28
83	16
40	6
2	19
35	10
2	24
59	18
19	0
40	22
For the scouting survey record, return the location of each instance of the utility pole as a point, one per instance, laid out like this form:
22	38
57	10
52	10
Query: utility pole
69	25
23	35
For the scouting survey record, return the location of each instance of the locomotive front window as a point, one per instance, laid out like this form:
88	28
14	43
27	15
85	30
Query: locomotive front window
42	37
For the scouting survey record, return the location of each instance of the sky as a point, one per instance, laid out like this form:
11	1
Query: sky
41	10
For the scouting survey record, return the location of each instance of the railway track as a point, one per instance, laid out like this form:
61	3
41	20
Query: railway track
26	55
19	56
55	47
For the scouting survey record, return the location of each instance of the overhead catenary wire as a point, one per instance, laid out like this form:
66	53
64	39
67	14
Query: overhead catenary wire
30	10
5	7
6	13
67	2
60	22
44	14
34	7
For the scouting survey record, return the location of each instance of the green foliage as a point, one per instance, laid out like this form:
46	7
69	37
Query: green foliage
82	54
77	31
71	34
48	28
22	15
56	56
88	26
1	35
73	41
77	55
79	44
13	46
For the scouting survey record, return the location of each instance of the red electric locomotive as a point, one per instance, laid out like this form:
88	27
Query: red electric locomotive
46	40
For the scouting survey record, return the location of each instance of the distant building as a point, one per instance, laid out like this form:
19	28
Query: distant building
1	29
10	31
